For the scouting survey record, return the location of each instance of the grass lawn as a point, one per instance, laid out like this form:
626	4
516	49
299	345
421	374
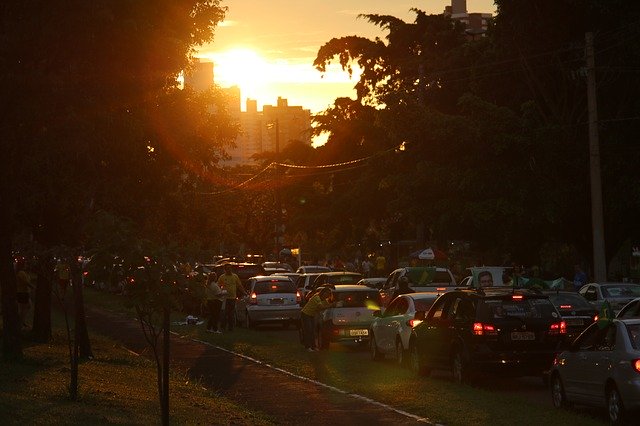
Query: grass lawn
432	398
116	387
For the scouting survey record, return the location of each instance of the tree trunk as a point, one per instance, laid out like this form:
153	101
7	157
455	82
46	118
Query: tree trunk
82	334
11	339
42	303
166	352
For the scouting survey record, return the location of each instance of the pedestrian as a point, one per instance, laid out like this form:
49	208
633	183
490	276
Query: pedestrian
214	298
233	286
579	278
23	291
63	272
320	301
381	265
366	267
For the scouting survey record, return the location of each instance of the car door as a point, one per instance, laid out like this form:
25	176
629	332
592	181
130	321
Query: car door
437	332
381	326
393	324
597	364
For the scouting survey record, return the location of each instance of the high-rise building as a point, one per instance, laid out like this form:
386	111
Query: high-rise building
476	23
257	128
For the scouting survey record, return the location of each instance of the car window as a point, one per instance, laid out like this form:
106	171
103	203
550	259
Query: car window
590	293
437	310
392	309
634	335
403	305
621	291
569	301
597	337
423	304
343	279
500	308
631	311
357	299
427	276
463	309
263	287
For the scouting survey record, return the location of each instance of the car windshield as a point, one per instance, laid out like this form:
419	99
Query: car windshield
423	304
357	299
621	290
569	301
634	335
275	286
344	279
517	308
427	276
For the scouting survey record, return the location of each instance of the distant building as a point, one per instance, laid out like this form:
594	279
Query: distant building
476	23
257	128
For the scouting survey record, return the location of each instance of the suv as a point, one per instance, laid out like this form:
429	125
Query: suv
500	330
421	278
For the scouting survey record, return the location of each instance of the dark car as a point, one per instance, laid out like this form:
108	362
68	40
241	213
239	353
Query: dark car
331	279
576	312
499	330
243	270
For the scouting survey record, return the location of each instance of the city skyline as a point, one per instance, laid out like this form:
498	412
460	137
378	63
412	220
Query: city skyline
268	49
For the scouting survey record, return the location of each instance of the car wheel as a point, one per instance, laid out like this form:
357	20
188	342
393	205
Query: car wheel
460	368
417	366
401	358
373	348
558	397
615	406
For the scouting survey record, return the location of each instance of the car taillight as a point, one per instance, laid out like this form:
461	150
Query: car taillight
85	273
595	318
517	297
565	306
558	328
441	288
480	329
298	297
636	365
413	322
253	298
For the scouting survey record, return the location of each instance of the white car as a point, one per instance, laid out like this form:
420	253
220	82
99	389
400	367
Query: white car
306	269
617	294
421	278
270	299
391	330
602	369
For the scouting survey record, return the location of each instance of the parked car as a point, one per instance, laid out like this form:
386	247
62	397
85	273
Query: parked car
332	278
304	282
602	369
350	316
630	310
242	269
421	278
617	294
376	283
270	299
391	329
306	269
576	312
275	267
491	330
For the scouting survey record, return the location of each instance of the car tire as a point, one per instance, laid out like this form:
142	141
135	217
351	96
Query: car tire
615	407
558	395
417	366
373	349
460	368
401	355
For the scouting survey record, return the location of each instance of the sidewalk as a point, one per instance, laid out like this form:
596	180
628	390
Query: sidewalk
286	399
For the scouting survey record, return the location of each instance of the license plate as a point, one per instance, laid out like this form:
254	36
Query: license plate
574	321
523	335
277	301
358	332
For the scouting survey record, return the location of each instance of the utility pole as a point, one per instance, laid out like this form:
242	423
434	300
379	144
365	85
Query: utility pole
597	221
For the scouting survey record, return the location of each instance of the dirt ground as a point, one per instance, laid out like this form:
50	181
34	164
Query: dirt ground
286	399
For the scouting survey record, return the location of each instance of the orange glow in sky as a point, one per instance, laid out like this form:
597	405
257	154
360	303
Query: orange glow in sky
268	48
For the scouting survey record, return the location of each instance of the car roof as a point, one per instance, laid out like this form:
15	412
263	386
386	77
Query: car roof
630	321
352	287
340	273
422	295
271	277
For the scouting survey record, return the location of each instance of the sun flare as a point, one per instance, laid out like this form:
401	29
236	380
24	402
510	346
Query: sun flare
240	67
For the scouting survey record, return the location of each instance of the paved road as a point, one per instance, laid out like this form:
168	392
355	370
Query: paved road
286	399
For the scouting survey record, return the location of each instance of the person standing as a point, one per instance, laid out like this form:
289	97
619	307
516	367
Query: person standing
23	289
403	288
579	278
214	297
316	304
381	265
366	267
63	271
233	286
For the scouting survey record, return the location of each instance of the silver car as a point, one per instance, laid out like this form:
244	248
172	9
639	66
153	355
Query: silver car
617	294
602	368
270	299
391	330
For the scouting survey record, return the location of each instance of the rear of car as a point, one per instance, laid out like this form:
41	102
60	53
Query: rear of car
350	317
420	279
272	300
577	313
519	331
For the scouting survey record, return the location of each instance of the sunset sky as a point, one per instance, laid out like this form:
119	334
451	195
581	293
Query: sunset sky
268	47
